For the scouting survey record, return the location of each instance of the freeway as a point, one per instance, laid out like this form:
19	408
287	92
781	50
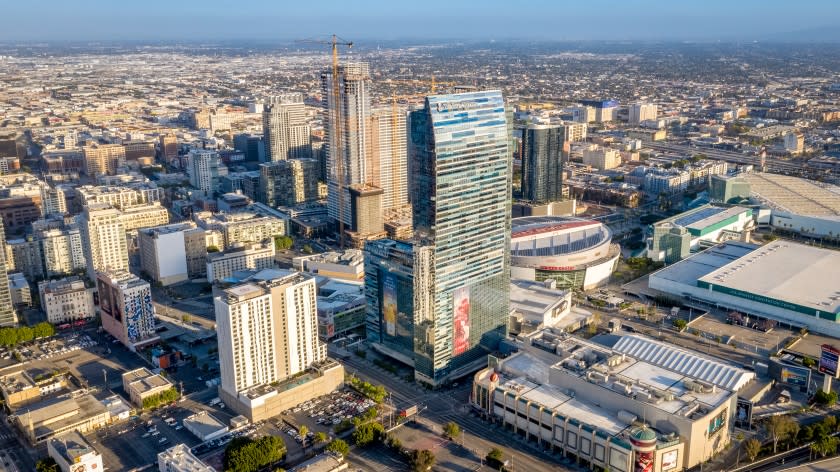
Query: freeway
773	165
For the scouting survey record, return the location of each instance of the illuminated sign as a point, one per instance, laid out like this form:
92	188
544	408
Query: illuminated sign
828	360
557	268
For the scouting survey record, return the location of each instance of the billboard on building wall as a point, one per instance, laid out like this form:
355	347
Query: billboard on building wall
828	360
461	320
743	416
389	303
669	460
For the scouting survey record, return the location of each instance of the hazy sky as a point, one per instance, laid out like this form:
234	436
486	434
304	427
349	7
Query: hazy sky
414	19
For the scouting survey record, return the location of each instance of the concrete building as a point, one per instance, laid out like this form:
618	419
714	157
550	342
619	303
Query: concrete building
544	150
347	265
269	350
341	307
119	197
203	169
324	462
173	253
698	228
366	222
139	150
8	316
53	201
345	133
601	158
72	453
576	253
125	304
256	224
19	291
179	458
639	112
464	138
168	144
103	239
285	128
66	300
535	306
782	280
143	216
605	110
387	166
48	418
141	384
289	182
612	410
222	265
728	189
794	142
21	387
205	426
103	159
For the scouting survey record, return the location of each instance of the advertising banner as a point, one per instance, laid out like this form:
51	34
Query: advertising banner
743	416
389	303
828	360
669	460
461	320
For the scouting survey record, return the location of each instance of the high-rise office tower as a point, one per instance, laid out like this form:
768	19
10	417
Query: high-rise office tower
639	112
387	163
8	317
290	182
285	128
125	302
461	193
268	331
347	119
544	148
203	169
103	239
104	159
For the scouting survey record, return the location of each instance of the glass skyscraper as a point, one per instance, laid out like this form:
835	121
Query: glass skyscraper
542	162
460	175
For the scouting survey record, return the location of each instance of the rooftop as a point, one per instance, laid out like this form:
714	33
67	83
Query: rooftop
704	216
143	380
795	195
182	459
786	271
204	423
72	446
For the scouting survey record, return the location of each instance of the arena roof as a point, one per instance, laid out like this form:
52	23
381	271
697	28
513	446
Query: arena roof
793	194
554	235
782	270
683	361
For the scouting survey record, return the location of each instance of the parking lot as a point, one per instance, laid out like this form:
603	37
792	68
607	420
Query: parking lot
712	327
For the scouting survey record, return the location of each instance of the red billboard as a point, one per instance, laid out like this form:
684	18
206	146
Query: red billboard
461	320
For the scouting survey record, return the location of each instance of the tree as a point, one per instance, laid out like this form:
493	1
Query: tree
248	455
303	431
808	362
46	464
825	446
451	430
281	243
421	460
825	399
338	446
320	437
367	433
680	324
778	428
186	318
495	458
751	448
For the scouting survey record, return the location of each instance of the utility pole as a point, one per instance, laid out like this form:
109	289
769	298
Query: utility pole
105	376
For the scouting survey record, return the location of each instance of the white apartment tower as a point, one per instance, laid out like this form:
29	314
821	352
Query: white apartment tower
285	128
267	330
203	169
640	112
103	239
346	134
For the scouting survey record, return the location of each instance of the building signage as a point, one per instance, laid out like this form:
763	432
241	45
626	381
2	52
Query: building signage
461	320
828	360
743	415
557	268
669	460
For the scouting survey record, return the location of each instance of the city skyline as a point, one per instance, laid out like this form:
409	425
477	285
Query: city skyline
470	20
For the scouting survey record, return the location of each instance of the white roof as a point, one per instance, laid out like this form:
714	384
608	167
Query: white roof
684	362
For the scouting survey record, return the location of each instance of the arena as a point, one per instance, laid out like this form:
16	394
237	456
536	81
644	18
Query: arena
577	253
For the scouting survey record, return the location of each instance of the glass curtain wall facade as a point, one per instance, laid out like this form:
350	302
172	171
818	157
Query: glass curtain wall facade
542	163
461	192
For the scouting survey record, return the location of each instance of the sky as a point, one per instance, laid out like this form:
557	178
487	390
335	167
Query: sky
704	20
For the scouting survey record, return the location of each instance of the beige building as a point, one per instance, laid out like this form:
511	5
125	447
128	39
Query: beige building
242	226
141	384
55	416
104	239
286	128
72	453
168	146
173	253
144	216
104	159
66	300
23	387
222	265
119	196
601	158
387	157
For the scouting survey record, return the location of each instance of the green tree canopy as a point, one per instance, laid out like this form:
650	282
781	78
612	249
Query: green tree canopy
451	430
421	460
368	433
248	455
338	446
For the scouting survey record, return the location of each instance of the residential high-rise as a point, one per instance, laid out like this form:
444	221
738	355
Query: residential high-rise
639	112
387	161
345	129
173	253
8	317
285	128
544	148
290	182
268	331
125	303
103	239
104	159
461	192
203	169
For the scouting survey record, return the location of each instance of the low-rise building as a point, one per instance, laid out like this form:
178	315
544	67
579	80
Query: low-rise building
204	426
22	386
141	384
179	458
698	228
72	453
46	419
66	300
341	307
347	265
325	462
